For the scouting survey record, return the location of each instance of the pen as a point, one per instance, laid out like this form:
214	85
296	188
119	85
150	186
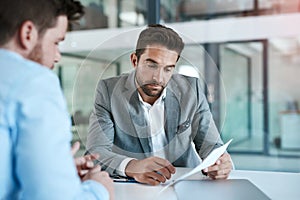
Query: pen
124	180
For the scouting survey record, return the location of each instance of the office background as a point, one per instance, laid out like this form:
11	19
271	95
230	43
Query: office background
246	52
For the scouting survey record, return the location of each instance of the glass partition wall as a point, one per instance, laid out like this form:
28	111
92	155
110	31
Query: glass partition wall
124	13
242	99
256	90
241	69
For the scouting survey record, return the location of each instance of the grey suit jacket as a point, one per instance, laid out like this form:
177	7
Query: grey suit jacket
118	128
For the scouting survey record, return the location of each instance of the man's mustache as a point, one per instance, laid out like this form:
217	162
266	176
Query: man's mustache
153	83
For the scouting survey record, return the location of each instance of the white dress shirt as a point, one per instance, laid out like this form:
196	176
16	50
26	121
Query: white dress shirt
155	116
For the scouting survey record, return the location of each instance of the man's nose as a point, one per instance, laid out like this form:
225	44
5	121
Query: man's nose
57	56
158	75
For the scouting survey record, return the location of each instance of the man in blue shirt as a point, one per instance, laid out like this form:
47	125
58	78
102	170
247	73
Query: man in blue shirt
36	160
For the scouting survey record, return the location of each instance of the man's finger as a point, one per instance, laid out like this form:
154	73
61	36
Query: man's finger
83	172
96	169
219	174
164	164
157	177
165	172
89	164
95	156
171	168
92	156
75	148
80	161
213	168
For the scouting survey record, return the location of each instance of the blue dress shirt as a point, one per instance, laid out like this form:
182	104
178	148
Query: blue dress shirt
35	153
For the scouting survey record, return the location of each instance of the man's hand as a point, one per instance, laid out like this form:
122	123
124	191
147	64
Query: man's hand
152	170
87	171
83	163
221	169
101	177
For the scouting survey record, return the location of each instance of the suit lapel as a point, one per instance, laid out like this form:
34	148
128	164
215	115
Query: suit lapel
137	114
172	114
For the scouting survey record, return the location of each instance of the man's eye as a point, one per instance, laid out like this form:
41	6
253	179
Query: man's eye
152	66
168	69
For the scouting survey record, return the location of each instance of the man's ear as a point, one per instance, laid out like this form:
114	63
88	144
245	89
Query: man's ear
134	60
28	35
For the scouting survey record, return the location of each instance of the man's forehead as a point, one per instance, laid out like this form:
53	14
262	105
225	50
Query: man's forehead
159	49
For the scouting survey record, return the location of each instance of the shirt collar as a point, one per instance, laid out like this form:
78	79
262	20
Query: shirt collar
159	100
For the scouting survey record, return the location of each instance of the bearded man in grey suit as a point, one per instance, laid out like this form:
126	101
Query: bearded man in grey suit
147	122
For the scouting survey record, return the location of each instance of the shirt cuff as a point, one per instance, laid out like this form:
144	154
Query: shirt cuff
94	190
123	165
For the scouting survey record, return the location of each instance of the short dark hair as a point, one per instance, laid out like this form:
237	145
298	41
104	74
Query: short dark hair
159	35
43	13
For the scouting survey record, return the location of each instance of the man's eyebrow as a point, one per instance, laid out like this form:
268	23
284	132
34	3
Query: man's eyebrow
151	60
170	66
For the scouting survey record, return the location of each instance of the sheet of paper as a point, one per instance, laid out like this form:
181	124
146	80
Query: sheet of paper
208	161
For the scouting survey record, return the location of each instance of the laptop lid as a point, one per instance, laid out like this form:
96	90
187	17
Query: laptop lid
230	189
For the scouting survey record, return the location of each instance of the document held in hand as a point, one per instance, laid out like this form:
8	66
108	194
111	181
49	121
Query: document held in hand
207	162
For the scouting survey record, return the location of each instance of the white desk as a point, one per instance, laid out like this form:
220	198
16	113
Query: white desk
277	185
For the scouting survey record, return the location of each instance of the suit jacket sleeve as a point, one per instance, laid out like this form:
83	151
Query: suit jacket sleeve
102	130
207	136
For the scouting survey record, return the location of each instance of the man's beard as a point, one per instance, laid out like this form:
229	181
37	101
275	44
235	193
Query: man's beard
151	92
36	54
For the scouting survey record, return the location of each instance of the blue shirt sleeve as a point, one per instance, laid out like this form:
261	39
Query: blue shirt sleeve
44	166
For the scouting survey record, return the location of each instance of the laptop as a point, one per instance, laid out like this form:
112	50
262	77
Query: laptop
230	189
